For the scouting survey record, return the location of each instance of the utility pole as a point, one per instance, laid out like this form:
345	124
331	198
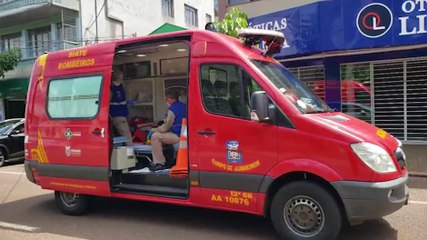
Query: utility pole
96	23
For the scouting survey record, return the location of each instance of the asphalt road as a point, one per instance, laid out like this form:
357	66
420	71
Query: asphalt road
27	212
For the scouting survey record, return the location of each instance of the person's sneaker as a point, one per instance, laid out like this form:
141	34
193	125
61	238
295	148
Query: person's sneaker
158	167
142	170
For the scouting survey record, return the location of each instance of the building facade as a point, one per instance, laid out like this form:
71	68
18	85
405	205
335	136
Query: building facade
38	26
365	58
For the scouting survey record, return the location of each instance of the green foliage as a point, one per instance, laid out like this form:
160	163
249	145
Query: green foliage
232	22
9	60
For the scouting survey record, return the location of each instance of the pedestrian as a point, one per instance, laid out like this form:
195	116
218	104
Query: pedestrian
169	131
119	106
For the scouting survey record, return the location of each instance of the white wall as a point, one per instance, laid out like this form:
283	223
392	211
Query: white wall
139	17
258	8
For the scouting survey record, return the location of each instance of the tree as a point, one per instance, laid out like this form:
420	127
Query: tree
233	21
9	60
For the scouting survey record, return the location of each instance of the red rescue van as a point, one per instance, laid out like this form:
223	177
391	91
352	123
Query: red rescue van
258	140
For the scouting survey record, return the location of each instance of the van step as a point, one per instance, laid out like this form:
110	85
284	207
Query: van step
151	190
154	178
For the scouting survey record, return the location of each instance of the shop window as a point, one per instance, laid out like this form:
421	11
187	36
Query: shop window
15	108
355	90
74	97
313	77
398	96
416	100
389	97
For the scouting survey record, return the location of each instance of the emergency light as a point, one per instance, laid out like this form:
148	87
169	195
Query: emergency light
272	40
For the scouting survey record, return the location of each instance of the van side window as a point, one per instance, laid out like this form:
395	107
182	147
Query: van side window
226	90
74	97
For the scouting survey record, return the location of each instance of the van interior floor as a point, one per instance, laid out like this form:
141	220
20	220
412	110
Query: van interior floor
150	183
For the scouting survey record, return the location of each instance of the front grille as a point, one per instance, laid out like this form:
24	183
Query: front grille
401	157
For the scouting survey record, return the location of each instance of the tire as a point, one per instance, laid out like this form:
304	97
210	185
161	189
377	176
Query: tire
305	210
3	157
72	203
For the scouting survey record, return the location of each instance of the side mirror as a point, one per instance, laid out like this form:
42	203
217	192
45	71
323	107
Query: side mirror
260	107
14	132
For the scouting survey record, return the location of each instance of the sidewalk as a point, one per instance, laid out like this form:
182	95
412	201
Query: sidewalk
418	174
417	182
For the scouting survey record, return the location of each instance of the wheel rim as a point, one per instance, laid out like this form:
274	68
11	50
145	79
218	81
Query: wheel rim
1	157
304	216
69	199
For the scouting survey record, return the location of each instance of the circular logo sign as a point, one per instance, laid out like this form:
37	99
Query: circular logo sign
374	20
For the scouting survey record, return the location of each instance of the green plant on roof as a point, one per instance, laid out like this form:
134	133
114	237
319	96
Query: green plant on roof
233	21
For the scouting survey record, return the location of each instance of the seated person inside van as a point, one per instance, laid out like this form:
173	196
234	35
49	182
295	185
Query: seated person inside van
222	104
119	106
169	132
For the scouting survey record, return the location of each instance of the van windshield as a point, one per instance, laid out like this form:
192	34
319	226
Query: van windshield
294	90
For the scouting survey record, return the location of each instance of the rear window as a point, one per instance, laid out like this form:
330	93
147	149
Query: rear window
74	97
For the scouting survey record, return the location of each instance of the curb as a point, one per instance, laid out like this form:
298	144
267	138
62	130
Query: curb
417	174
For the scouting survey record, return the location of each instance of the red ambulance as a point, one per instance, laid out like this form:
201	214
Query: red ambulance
258	140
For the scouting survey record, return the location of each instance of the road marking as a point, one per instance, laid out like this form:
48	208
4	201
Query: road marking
418	202
13	173
18	227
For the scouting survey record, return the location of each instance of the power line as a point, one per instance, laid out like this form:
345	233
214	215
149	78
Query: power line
96	17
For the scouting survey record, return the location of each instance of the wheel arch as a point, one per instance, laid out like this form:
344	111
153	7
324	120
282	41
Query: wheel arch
6	150
289	177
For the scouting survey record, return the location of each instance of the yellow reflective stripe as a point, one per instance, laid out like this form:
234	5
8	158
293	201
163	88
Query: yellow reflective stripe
42	152
42	63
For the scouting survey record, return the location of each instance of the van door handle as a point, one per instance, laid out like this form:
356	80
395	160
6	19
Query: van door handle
206	132
98	131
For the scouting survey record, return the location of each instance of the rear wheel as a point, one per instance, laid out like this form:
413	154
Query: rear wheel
2	157
72	203
305	210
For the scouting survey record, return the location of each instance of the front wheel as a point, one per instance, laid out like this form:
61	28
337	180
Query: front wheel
72	203
305	210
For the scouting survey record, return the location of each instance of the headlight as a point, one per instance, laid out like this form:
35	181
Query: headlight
399	142
374	156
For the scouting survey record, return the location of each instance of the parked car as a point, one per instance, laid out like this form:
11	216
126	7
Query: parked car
12	140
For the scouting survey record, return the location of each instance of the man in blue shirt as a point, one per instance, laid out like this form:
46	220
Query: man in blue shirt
169	131
118	106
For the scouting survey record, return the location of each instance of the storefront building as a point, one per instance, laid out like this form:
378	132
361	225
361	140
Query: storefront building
12	98
366	58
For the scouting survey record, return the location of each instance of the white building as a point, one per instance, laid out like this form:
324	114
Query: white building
117	19
37	26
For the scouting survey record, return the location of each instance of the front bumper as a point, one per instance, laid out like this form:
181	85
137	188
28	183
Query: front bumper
365	200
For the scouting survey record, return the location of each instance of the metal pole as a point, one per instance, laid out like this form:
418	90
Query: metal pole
63	29
96	23
80	27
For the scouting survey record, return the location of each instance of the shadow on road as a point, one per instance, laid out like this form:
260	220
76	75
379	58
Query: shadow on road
375	229
115	218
